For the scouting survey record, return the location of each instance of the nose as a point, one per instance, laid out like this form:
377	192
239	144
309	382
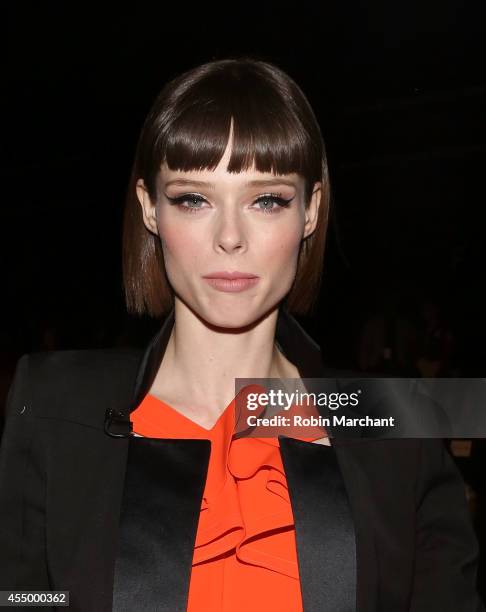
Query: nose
230	234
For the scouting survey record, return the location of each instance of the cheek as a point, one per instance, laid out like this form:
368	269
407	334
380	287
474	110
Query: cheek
180	248
283	245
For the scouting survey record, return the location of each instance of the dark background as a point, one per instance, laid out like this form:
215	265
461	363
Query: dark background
399	91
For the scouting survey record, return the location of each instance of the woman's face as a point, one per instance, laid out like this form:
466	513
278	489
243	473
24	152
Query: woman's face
213	221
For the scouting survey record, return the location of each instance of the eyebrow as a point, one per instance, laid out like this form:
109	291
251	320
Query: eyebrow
255	183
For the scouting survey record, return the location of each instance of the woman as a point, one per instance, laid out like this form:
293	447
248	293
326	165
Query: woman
120	479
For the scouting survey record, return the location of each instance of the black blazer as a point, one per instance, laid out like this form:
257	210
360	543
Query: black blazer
381	525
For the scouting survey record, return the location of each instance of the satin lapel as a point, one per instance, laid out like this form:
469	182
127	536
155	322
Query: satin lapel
163	491
324	528
327	544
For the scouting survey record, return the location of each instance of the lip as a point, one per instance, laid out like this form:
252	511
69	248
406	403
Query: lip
232	285
230	275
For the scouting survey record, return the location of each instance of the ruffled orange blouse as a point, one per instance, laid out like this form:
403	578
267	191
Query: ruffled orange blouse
245	555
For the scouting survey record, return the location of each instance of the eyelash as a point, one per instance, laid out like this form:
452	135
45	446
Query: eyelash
194	197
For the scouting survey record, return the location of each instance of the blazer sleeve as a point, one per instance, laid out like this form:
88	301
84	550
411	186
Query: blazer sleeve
22	493
446	546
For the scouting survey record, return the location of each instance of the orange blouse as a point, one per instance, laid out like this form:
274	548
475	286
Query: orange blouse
245	555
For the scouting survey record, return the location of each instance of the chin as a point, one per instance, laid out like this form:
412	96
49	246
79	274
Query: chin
231	318
230	311
231	314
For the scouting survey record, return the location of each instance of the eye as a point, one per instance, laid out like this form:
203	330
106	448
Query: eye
273	203
188	202
191	202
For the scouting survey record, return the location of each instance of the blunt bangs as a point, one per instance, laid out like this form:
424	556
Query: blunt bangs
269	132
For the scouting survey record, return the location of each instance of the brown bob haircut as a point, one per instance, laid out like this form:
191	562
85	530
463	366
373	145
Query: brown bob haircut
188	128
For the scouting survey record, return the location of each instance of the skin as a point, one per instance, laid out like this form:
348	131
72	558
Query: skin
220	336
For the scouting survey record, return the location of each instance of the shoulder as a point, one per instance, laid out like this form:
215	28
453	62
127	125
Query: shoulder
411	463
77	364
75	384
416	465
383	459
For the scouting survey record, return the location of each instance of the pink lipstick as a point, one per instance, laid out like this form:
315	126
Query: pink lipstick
231	282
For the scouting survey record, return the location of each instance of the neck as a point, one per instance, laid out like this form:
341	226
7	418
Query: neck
200	364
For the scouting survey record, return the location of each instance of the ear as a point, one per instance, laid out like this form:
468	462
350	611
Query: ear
148	209
311	212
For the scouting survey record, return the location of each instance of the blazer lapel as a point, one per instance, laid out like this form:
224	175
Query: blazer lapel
163	491
324	526
164	485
